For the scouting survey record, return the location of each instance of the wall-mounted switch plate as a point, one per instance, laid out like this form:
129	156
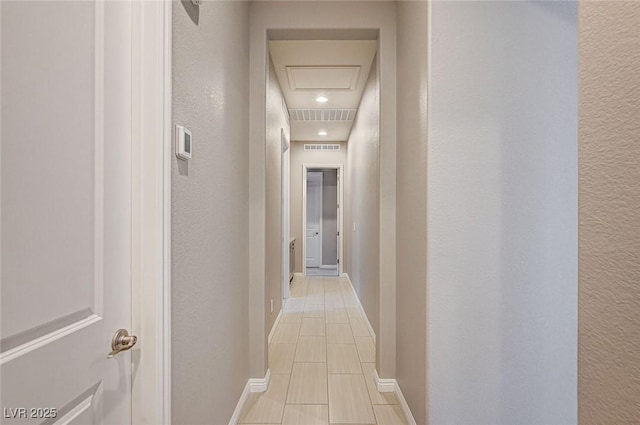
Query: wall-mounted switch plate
184	143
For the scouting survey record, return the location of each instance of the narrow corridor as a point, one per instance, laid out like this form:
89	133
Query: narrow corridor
322	360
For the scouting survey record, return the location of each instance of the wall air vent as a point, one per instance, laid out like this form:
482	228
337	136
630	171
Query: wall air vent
323	114
321	147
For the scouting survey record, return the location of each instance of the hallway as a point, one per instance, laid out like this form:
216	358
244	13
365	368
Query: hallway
322	360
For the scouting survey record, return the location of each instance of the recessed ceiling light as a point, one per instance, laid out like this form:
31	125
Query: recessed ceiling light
322	133
322	99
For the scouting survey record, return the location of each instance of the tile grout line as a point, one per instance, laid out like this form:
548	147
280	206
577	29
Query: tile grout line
375	418
286	396
322	283
326	353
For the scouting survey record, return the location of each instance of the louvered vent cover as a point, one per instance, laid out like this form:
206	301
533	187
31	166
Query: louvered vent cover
321	147
322	114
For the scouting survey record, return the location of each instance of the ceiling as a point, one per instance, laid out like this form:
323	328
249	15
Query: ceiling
335	69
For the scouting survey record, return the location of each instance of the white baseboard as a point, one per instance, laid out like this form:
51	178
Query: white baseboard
235	418
275	325
329	267
259	385
364	314
384	385
254	385
391	386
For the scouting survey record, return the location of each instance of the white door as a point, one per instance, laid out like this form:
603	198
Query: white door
338	221
66	213
314	219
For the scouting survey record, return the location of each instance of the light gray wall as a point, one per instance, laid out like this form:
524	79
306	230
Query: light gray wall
411	348
329	217
276	121
299	157
340	15
502	213
609	309
210	328
363	176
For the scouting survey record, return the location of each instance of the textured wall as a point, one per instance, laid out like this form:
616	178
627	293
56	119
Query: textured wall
411	346
502	213
299	157
210	329
362	209
276	122
609	309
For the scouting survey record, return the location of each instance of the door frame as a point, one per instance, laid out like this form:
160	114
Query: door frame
320	224
151	212
285	212
340	169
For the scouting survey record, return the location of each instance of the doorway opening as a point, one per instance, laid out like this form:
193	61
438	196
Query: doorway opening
322	123
322	220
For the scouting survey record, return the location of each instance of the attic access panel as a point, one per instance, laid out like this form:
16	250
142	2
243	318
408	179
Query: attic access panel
323	77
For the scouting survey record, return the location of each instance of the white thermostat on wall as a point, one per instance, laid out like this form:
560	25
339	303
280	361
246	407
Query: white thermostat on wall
184	143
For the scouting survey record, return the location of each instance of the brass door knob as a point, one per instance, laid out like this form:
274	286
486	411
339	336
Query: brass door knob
121	341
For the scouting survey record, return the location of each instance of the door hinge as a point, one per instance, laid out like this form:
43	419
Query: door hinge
338	233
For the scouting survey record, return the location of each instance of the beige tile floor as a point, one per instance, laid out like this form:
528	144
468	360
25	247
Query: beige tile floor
322	359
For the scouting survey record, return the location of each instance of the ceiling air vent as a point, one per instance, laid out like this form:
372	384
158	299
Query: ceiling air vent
321	147
322	114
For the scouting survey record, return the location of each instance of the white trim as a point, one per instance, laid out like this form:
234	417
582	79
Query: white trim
329	267
275	325
260	385
165	372
286	209
334	166
235	417
255	385
151	194
49	338
305	175
384	385
99	117
392	386
364	314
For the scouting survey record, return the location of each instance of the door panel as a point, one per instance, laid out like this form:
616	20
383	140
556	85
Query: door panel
314	219
338	223
47	192
66	213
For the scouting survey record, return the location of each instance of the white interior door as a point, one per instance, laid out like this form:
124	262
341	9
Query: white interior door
338	221
314	219
66	213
